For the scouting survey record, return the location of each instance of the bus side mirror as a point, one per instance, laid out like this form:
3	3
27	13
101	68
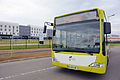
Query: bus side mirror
54	31
51	24
107	28
45	27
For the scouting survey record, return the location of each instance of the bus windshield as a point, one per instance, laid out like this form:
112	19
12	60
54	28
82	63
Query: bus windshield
77	37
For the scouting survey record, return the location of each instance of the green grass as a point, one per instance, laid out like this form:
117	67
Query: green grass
21	41
24	47
6	44
114	43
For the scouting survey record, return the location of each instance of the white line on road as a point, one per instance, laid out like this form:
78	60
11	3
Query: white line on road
25	73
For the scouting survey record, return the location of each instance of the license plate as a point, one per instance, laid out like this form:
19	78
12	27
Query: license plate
72	67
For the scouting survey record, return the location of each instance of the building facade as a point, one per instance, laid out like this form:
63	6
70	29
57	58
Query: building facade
8	28
24	31
35	31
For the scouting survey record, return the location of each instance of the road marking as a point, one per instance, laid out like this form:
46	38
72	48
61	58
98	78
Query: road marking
26	73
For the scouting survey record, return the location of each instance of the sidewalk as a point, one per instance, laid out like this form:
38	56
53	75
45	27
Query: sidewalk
21	50
22	54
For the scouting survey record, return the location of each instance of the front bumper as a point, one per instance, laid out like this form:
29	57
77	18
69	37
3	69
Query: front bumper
82	68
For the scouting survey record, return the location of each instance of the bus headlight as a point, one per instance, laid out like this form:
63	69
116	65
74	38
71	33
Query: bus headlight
99	65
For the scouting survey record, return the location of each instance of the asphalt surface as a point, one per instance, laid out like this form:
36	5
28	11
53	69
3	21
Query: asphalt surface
42	69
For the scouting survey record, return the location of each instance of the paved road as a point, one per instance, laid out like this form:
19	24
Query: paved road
41	69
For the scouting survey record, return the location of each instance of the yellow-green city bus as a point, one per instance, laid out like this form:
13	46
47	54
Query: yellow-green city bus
79	41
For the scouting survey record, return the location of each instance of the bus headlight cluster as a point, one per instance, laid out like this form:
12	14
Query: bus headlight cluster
99	65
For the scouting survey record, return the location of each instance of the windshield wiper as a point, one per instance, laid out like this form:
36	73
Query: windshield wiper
87	52
57	51
73	50
83	50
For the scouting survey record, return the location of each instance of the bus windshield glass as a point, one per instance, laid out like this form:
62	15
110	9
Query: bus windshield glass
77	37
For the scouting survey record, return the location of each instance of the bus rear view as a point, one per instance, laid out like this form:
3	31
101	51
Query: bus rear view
78	41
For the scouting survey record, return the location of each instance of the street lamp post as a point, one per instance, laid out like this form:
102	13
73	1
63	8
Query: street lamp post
110	16
108	21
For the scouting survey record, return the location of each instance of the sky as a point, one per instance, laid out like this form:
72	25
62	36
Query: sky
36	12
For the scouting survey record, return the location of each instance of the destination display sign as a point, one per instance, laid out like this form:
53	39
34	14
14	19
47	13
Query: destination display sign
77	17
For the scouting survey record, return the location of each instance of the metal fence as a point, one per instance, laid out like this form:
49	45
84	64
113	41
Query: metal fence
23	43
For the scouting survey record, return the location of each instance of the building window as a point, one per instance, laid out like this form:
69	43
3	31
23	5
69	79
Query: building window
13	27
0	25
9	26
9	29
5	29
5	25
